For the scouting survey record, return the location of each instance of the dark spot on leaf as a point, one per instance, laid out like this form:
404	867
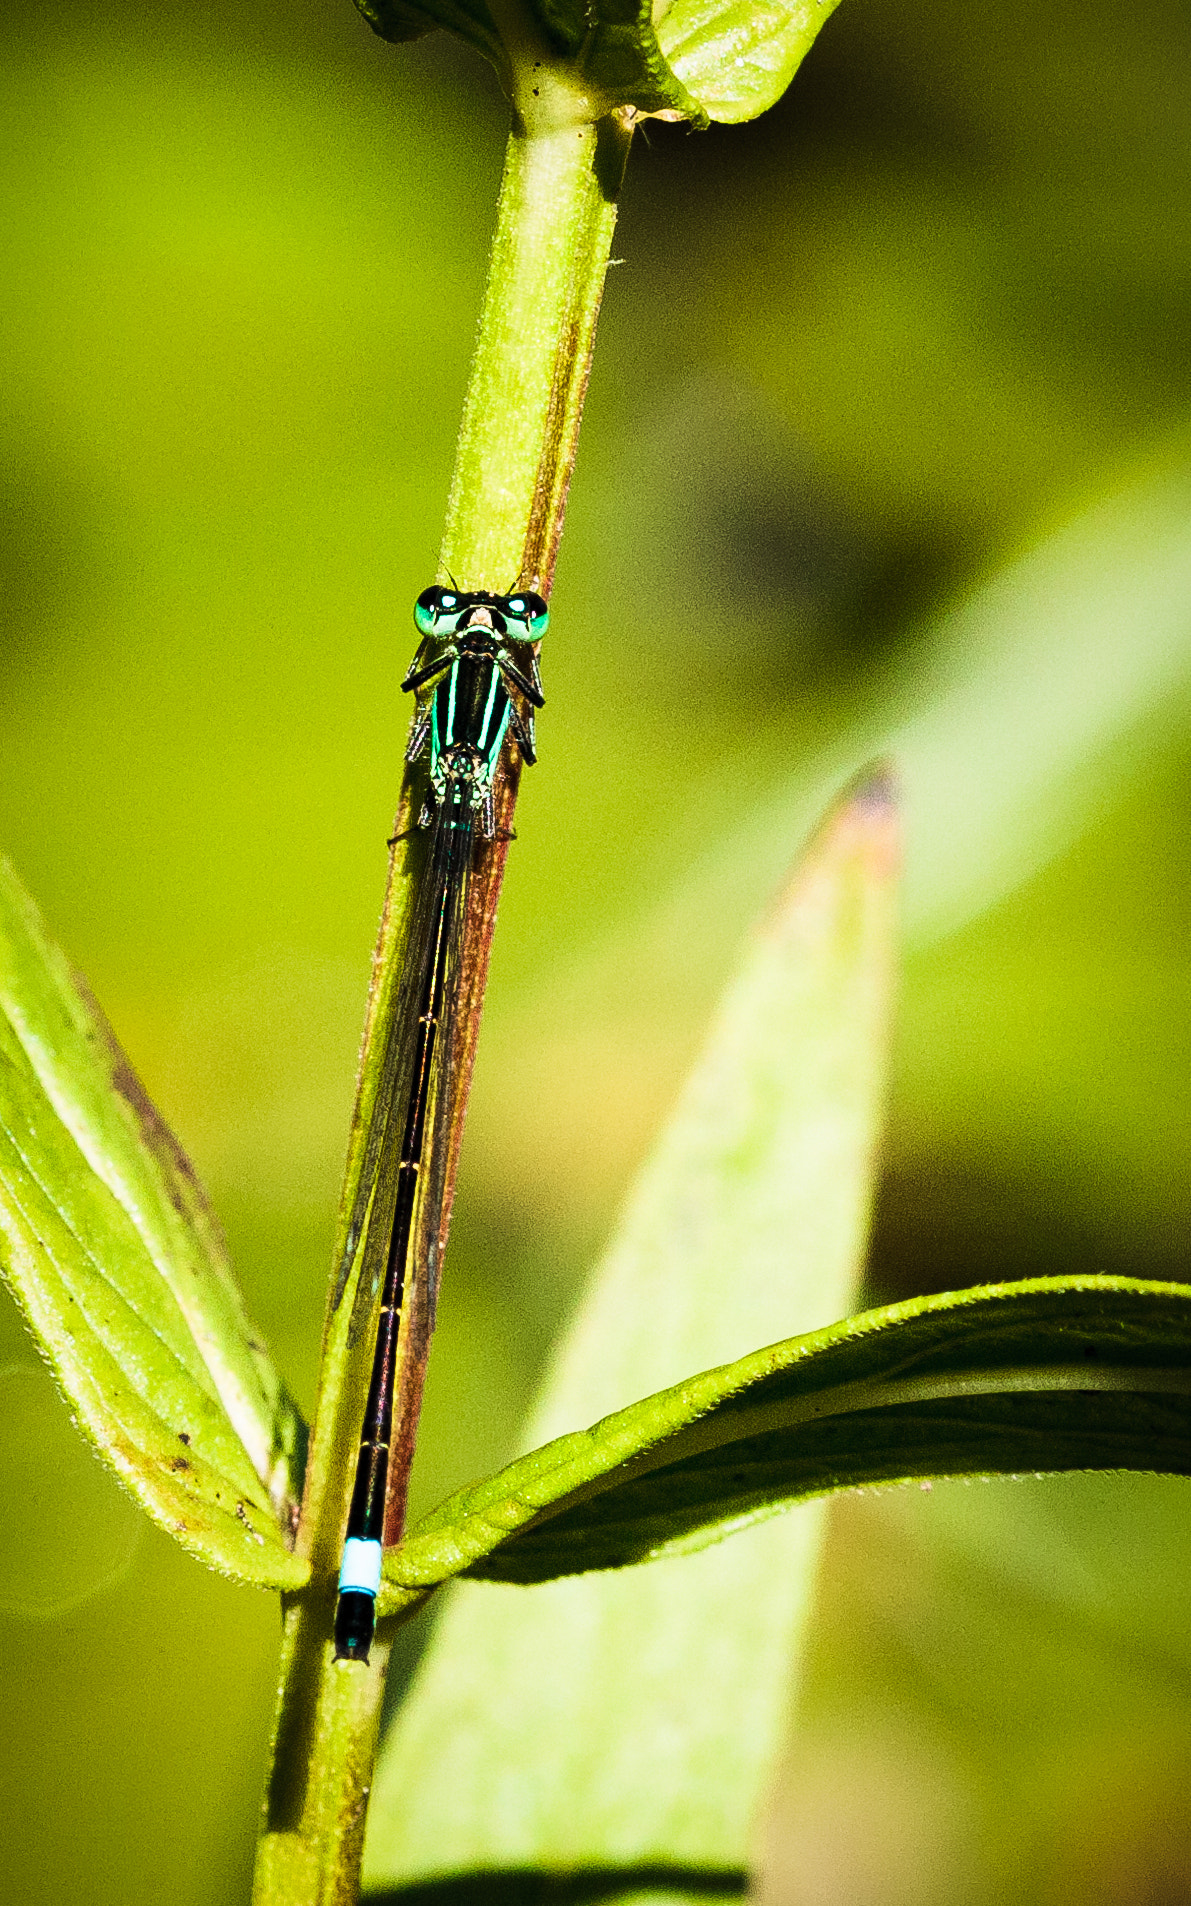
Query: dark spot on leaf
184	1438
154	1130
179	1462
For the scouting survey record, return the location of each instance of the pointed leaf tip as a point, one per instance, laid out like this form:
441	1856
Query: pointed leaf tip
876	789
748	1223
868	809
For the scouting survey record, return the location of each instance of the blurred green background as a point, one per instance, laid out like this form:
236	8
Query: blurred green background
858	357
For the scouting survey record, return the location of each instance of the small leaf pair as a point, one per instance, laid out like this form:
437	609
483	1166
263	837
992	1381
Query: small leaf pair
700	60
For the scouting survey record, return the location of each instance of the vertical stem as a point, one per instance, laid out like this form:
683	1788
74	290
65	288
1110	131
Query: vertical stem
521	418
515	454
323	1753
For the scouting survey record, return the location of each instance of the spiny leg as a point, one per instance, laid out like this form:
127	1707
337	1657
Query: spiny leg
418	733
523	734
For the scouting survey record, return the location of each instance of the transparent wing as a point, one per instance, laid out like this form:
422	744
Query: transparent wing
425	1254
373	1207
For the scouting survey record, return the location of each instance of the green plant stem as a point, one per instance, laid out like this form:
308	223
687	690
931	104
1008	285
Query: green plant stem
516	450
324	1750
521	418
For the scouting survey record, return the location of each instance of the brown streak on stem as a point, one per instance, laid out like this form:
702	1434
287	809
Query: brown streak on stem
554	472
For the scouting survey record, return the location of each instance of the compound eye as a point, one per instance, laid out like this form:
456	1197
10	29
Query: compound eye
530	609
433	604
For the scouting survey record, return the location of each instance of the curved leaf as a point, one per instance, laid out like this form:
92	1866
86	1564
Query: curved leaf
1046	1375
110	1248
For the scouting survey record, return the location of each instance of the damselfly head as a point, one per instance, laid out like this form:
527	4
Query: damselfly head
447	612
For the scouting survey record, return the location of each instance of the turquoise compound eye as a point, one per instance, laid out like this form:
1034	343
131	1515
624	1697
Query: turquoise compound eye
430	605
530	609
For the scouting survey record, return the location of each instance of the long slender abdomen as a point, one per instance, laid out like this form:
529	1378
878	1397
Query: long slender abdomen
359	1577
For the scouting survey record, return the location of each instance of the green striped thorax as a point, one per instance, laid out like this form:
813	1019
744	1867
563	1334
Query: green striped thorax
477	655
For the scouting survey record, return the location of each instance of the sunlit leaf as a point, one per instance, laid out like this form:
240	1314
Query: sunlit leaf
1052	1374
643	1690
108	1245
737	57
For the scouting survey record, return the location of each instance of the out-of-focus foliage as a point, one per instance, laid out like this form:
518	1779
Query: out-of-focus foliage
87	1529
859	353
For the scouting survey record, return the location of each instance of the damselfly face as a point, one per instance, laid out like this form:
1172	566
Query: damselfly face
521	617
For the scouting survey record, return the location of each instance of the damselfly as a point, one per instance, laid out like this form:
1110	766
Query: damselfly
474	658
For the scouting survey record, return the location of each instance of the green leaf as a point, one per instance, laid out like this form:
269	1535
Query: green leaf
699	60
737	57
110	1248
632	1717
1047	1375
